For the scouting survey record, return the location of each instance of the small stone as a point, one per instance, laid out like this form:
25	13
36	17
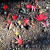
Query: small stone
17	26
34	37
5	12
12	41
23	33
0	40
21	26
18	48
29	38
13	49
19	16
26	45
47	7
33	31
45	29
3	36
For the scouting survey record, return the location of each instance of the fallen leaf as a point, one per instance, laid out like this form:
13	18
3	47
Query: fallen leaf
40	17
5	7
34	7
19	40
45	24
14	17
11	26
28	6
19	22
41	11
26	21
16	33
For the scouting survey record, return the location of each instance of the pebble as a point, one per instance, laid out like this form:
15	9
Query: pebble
5	12
34	37
27	45
33	31
47	7
45	29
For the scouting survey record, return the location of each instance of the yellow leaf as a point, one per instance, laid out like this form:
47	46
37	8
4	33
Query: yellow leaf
16	33
40	7
41	11
19	22
18	6
12	41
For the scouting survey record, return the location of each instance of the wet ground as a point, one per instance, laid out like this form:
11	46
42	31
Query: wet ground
32	37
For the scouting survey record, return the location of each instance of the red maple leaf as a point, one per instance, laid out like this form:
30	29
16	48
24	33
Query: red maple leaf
25	21
19	40
14	17
45	24
34	7
28	6
5	7
40	17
